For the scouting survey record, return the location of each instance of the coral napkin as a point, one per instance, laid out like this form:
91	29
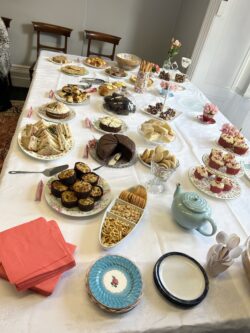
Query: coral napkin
33	252
46	287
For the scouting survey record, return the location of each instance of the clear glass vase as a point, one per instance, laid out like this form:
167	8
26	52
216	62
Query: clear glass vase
167	63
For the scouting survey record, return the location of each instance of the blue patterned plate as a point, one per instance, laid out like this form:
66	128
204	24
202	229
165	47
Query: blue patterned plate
115	282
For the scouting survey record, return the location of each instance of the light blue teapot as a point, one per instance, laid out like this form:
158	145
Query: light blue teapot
192	211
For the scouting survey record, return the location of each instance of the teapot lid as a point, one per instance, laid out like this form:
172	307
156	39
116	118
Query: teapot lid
194	202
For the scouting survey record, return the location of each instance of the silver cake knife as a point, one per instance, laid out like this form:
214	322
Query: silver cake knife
47	172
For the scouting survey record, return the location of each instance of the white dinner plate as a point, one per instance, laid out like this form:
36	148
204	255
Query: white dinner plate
204	186
57	63
181	279
87	64
42	114
222	171
96	124
43	157
85	73
119	165
230	150
100	205
61	99
155	142
142	162
113	113
156	116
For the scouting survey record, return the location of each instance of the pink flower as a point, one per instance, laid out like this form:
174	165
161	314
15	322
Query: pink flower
156	68
210	109
177	43
230	130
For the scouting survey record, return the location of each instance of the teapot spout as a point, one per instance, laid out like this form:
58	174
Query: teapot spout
178	190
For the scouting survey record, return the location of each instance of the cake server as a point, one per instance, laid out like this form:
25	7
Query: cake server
47	172
92	80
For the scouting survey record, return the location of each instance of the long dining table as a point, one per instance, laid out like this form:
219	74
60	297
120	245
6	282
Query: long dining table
69	309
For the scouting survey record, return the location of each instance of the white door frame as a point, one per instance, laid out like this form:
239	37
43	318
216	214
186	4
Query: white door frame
212	10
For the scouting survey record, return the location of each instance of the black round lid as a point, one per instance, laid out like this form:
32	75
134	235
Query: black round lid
181	279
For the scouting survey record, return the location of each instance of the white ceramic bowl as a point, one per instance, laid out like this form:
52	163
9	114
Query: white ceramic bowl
127	61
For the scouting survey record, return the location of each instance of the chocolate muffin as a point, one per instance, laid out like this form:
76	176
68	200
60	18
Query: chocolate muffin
86	204
57	188
69	199
67	177
91	178
96	192
81	168
82	189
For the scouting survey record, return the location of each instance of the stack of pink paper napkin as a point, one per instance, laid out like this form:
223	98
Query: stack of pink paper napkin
34	255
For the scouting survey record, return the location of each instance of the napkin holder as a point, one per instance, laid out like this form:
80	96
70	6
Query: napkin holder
221	255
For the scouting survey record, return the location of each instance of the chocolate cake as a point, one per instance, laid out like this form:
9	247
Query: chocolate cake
110	144
119	104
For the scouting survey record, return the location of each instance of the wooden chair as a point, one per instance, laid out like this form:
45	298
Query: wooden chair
7	21
55	30
102	37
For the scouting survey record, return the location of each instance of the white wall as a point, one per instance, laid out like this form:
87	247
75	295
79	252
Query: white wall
145	26
220	61
188	24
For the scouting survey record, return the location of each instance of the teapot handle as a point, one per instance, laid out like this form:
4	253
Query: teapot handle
213	225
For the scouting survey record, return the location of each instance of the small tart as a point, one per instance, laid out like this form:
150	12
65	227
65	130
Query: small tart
81	168
96	192
82	189
86	204
91	178
69	199
57	188
200	172
67	177
216	186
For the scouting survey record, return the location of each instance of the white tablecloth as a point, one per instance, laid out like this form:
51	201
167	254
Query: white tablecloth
227	305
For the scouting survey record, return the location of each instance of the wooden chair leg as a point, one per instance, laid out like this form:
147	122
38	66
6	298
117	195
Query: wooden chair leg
9	80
